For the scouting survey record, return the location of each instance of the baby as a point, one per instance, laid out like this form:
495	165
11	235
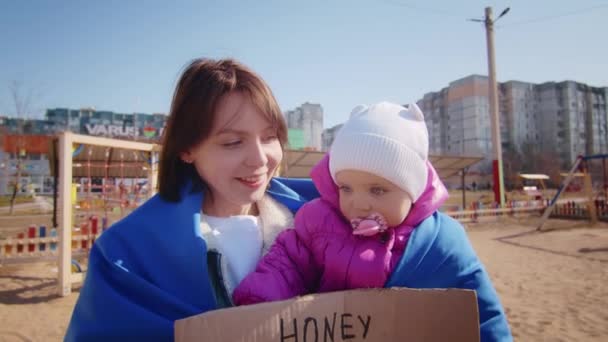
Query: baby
376	223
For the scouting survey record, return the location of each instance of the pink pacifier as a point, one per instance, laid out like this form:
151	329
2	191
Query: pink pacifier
370	225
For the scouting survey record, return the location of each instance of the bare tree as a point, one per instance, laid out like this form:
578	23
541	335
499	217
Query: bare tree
537	161
22	104
513	164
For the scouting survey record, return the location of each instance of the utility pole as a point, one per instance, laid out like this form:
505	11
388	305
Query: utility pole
497	168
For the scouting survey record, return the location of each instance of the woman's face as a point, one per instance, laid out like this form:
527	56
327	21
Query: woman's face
239	157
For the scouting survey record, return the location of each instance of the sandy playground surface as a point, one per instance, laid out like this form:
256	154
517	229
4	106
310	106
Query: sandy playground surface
554	285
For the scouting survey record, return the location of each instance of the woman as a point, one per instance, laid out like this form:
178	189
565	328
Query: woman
217	211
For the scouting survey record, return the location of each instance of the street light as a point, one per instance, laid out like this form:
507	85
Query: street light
505	11
497	169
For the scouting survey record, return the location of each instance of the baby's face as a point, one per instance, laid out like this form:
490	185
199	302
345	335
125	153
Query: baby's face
363	193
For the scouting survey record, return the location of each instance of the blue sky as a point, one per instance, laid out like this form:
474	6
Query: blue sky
125	56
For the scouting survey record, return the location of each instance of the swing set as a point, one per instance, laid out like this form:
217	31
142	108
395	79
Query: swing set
125	174
594	201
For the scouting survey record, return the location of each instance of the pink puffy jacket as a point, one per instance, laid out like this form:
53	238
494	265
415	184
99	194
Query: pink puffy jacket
321	254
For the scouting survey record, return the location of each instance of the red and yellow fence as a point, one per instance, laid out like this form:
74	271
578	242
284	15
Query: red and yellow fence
38	243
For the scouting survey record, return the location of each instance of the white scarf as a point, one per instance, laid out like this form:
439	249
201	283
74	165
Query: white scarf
273	218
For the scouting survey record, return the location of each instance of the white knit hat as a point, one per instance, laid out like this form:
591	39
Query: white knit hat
385	139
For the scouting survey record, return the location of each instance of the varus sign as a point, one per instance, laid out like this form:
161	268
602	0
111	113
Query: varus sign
112	130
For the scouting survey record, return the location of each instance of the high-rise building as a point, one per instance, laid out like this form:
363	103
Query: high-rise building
329	135
91	122
573	119
309	119
520	121
566	118
106	123
457	119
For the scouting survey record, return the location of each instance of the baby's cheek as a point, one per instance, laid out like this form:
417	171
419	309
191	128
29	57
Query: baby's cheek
399	216
344	209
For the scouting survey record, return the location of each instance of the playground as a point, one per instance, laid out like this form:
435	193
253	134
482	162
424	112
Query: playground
552	284
550	280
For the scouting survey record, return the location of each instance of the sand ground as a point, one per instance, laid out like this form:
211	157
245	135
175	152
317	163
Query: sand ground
554	285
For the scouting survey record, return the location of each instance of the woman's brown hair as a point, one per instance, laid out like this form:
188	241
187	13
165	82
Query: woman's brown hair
192	115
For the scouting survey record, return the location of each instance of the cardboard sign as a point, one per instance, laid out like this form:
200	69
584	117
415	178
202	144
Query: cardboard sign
396	314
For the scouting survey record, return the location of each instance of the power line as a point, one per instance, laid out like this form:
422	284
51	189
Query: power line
551	17
448	13
427	10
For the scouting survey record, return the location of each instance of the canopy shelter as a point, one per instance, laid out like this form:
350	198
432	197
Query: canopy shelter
447	166
110	161
574	174
105	161
297	164
535	177
96	161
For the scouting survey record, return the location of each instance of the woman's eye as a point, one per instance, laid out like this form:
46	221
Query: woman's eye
232	143
378	191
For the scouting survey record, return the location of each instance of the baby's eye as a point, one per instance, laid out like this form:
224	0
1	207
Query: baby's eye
344	188
377	191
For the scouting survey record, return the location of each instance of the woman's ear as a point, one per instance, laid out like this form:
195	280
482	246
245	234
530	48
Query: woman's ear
277	171
186	157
